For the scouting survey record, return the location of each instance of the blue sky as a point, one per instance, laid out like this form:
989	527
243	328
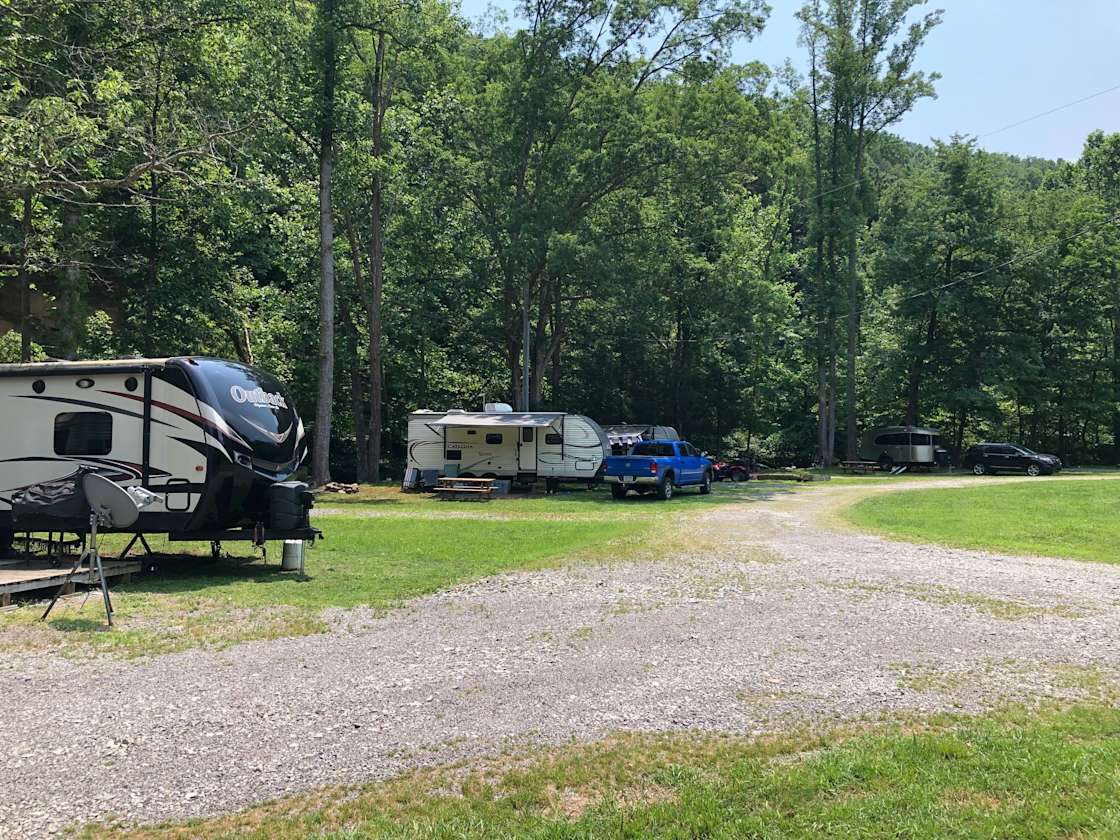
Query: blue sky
1001	61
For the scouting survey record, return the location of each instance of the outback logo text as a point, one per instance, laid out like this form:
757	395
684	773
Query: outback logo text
257	396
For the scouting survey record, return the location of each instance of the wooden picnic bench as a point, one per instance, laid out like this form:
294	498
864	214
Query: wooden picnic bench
859	466
455	489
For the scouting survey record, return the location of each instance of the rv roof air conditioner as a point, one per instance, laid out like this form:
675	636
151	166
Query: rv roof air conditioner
498	408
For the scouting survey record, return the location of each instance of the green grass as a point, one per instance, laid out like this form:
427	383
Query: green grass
1074	519
572	501
1054	774
381	548
375	561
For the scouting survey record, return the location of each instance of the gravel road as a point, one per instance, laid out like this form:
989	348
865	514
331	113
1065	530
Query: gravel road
777	617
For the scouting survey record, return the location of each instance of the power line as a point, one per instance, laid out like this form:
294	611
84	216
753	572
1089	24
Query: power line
974	275
1049	112
1007	127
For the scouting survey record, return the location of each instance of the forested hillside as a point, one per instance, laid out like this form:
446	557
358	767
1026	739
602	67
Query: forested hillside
385	206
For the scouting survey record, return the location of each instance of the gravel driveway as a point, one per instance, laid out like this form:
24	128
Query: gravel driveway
776	618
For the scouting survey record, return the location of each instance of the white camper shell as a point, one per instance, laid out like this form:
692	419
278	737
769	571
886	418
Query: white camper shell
504	444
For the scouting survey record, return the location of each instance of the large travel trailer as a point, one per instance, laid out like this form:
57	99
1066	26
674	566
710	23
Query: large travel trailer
897	446
500	443
213	439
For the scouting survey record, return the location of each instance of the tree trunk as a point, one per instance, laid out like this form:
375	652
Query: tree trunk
523	402
1116	367
376	264
854	300
72	291
917	370
24	279
320	460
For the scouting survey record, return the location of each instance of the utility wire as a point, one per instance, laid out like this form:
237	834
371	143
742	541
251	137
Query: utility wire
1008	127
974	275
1049	112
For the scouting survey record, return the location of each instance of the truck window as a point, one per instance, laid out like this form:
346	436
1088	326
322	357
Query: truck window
654	450
83	433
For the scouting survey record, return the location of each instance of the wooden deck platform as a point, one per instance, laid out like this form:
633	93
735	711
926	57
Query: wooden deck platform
23	575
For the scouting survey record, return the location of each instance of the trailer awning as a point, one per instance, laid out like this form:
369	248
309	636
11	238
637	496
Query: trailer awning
535	418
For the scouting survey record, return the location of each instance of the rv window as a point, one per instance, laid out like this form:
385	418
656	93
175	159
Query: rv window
494	438
893	439
83	433
919	440
454	454
527	434
554	439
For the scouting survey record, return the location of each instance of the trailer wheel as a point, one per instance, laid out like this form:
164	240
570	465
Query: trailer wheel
665	488
739	475
886	463
706	485
618	491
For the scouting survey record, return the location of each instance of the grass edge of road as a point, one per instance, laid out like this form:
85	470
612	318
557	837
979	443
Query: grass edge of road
1067	518
1046	771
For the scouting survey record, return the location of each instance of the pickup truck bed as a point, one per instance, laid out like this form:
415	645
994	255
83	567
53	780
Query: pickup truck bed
658	466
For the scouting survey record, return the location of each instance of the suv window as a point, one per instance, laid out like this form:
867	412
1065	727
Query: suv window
1004	450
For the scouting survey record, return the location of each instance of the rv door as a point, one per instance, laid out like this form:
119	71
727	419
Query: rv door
527	449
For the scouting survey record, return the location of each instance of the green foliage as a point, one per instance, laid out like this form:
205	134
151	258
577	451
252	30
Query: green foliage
653	208
10	349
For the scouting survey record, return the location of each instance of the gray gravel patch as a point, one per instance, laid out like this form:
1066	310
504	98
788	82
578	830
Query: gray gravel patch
777	620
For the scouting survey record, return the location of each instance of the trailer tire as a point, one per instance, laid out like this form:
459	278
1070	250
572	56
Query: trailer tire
618	491
739	475
886	463
665	487
706	484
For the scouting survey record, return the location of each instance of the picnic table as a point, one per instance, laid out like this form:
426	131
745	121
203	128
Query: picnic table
465	489
859	466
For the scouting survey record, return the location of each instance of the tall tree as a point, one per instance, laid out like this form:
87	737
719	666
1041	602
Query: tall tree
863	81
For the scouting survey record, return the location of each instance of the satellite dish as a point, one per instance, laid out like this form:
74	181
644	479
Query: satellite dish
111	502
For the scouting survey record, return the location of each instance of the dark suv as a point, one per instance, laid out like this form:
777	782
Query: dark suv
988	458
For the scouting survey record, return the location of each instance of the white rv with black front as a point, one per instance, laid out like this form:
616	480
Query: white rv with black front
504	444
208	436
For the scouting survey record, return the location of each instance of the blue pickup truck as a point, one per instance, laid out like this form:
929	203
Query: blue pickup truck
658	466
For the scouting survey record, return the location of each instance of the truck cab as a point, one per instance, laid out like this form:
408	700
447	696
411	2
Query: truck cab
658	466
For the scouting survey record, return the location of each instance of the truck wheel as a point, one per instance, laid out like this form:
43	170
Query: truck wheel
618	491
665	488
706	484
